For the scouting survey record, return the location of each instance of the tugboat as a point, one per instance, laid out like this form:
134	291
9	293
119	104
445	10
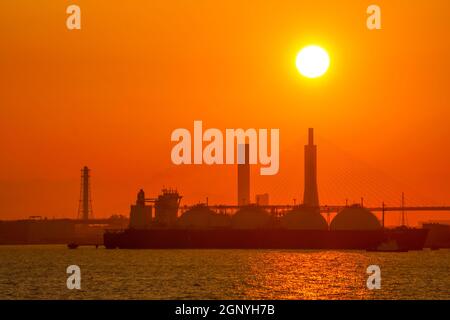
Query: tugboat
72	245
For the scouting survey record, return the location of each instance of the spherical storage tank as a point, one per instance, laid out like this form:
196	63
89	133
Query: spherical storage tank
201	216
355	217
303	219
252	217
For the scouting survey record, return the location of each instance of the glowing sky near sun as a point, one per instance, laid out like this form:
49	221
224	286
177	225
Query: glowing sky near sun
109	95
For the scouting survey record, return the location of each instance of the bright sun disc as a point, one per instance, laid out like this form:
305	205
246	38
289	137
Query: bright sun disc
312	61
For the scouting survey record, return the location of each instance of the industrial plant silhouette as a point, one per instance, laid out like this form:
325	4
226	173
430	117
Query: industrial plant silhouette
160	222
247	225
307	215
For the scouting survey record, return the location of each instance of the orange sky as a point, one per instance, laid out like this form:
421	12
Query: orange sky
108	96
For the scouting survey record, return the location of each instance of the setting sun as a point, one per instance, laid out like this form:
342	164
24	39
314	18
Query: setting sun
312	61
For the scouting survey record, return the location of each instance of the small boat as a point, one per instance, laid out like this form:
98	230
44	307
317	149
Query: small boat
388	246
72	245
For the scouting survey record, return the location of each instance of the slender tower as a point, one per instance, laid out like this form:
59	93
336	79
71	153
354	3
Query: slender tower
243	175
311	195
85	204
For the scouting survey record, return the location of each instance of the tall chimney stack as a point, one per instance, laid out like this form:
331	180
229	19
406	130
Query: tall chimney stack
243	175
311	195
311	136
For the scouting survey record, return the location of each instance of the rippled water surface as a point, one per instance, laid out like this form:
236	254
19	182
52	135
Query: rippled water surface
39	272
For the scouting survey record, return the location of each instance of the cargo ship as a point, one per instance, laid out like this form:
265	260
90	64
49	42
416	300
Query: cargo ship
253	227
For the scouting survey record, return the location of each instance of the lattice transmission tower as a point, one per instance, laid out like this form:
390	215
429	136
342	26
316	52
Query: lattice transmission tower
85	204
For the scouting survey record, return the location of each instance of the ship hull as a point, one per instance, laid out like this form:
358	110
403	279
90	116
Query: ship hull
410	239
